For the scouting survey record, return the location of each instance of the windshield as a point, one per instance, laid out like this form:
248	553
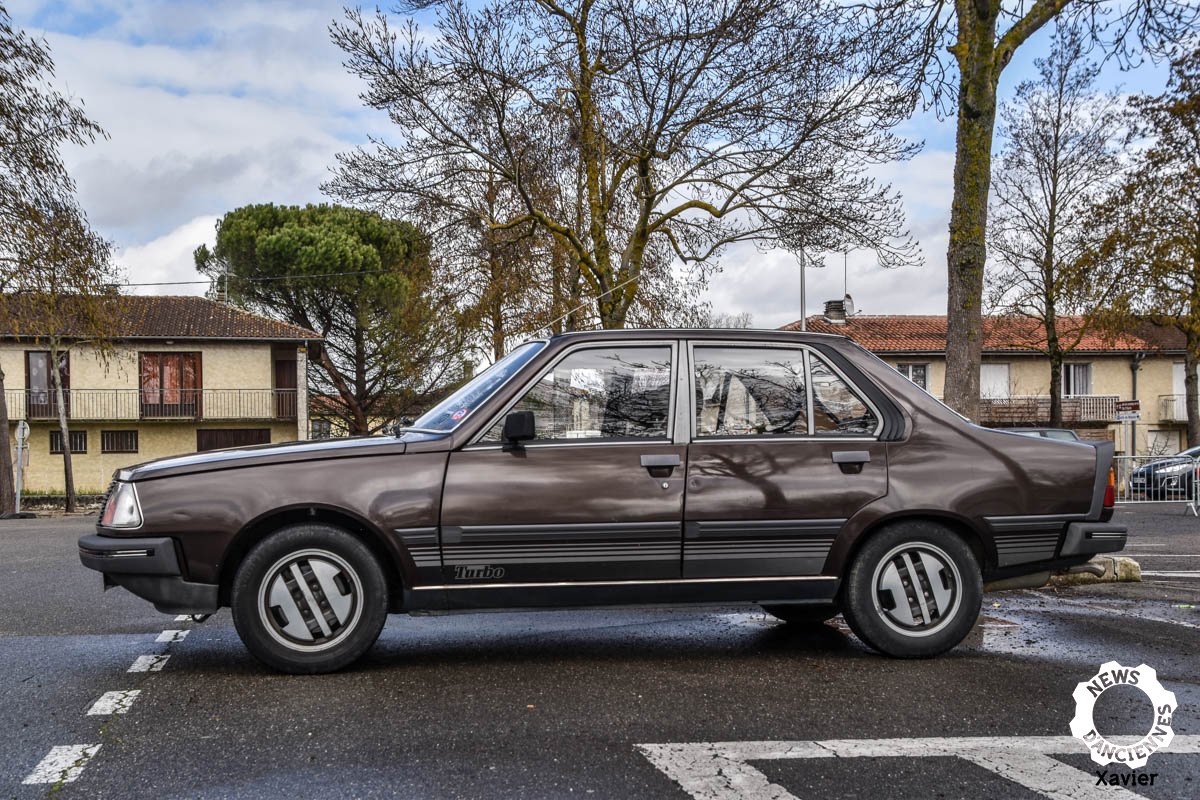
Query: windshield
446	415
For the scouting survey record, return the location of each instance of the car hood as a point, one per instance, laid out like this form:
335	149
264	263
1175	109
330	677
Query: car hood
258	455
1157	466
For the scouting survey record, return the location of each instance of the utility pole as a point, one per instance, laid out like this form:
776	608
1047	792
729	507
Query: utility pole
803	315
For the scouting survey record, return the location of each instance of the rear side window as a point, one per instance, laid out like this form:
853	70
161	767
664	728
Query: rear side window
600	393
774	391
742	391
837	409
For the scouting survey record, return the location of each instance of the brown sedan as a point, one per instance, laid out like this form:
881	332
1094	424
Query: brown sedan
792	470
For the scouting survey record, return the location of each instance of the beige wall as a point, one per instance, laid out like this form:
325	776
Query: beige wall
223	365
93	469
1111	375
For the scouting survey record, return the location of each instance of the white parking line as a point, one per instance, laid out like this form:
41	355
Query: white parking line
63	763
171	635
1178	574
183	618
149	664
1117	611
721	770
114	702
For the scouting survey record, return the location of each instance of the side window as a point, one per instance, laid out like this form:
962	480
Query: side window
836	408
746	391
600	393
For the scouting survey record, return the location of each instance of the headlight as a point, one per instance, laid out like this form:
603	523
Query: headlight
122	509
1176	468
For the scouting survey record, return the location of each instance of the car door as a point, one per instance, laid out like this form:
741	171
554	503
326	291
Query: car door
597	495
783	451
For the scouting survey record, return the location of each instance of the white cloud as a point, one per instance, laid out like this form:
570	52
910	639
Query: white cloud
169	258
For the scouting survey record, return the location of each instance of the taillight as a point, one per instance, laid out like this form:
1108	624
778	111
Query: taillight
1110	491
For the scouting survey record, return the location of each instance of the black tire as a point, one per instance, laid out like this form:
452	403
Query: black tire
924	623
274	612
802	614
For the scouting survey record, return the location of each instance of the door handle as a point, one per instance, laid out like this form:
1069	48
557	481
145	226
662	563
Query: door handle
851	461
661	465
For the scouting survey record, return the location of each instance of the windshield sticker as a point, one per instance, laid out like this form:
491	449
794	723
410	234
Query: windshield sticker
457	415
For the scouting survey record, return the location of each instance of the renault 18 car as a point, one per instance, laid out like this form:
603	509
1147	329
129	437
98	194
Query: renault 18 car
792	470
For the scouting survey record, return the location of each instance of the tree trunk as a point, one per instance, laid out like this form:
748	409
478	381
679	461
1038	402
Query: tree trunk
1056	367
8	495
967	251
1191	390
60	399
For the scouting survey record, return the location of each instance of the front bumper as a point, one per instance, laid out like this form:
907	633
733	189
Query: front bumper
150	569
1092	538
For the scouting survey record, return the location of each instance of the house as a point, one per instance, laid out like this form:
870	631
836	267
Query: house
1014	378
184	374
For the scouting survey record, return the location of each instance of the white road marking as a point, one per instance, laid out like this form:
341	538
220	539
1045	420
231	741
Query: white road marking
149	663
183	618
171	635
63	763
114	702
1162	555
721	770
1116	611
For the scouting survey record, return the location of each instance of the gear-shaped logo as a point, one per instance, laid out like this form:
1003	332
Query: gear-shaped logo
1084	728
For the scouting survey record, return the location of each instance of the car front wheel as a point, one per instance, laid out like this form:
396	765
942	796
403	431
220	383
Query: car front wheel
913	591
309	598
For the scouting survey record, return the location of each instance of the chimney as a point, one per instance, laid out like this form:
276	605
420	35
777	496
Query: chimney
835	312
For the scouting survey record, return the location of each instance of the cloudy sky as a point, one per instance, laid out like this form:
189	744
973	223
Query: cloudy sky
212	105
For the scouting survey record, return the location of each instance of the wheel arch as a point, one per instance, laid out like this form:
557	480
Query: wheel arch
263	526
958	525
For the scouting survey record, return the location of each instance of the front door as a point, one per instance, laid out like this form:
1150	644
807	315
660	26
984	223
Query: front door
594	497
783	452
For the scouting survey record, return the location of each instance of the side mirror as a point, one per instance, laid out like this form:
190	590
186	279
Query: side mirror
518	427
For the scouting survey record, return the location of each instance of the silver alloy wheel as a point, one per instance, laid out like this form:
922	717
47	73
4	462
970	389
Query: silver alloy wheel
310	600
917	588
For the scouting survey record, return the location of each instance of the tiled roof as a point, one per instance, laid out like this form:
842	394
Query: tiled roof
159	316
898	333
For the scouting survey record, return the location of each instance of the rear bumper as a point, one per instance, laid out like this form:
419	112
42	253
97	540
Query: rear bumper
1092	538
150	569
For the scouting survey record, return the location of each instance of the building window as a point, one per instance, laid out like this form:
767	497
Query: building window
118	441
78	441
216	438
1076	379
170	384
994	382
917	373
321	429
41	401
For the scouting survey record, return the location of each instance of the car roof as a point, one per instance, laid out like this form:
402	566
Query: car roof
749	334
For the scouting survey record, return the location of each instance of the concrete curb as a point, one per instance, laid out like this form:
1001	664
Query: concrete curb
1117	569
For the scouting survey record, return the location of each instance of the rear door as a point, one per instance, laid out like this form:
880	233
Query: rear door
597	495
784	449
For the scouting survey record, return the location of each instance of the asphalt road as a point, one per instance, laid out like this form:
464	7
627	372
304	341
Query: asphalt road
578	703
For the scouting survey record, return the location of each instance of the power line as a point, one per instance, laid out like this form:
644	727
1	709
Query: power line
258	280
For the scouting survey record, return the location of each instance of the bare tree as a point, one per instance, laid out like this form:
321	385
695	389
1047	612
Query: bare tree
62	298
669	129
1059	158
1152	220
967	45
35	121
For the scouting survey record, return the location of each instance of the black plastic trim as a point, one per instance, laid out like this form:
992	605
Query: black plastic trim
1087	538
170	594
148	556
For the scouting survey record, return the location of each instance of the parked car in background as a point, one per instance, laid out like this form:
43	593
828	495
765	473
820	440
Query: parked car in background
1167	478
792	470
1061	434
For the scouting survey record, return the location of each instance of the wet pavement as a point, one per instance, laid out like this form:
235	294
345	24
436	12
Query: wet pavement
713	702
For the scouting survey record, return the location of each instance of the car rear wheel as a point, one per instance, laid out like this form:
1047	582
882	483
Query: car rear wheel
913	591
801	614
309	598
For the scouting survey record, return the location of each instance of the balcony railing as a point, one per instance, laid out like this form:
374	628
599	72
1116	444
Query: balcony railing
1172	408
1035	409
134	404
